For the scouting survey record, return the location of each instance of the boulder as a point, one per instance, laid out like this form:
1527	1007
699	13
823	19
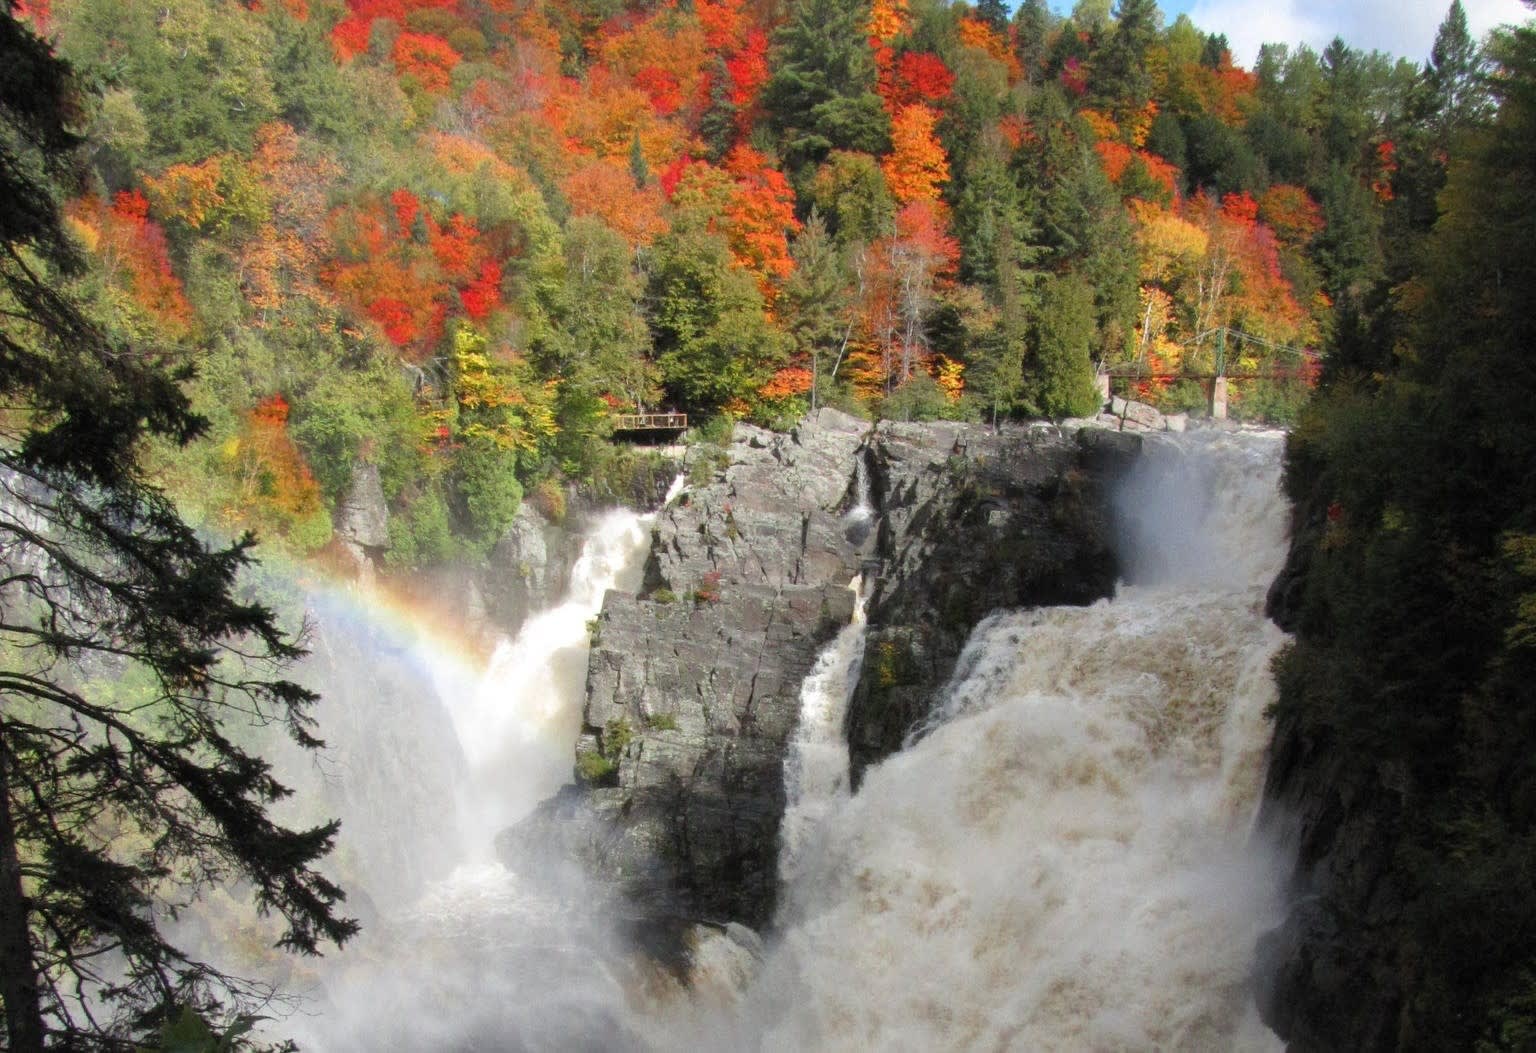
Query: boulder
1142	416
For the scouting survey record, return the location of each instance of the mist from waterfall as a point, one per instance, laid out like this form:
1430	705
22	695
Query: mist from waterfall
425	765
1063	859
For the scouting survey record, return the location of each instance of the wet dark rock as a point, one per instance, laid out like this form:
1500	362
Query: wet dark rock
528	569
693	688
972	520
1326	981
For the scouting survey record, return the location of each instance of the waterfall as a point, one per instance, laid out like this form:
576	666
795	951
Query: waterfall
816	776
863	509
1063	858
481	957
518	727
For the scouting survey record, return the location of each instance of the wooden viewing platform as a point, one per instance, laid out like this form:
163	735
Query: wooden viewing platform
1261	374
649	422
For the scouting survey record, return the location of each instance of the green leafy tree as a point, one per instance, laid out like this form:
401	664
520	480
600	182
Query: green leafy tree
994	13
713	340
850	192
1032	24
1349	249
1122	80
157	49
128	655
1082	226
1062	368
601	345
1092	15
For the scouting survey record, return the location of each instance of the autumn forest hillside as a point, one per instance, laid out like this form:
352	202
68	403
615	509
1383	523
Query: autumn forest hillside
451	237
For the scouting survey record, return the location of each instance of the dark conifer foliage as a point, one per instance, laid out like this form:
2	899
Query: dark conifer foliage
129	657
1416	611
822	95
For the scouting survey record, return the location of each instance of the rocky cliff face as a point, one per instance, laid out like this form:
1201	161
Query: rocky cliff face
693	686
971	521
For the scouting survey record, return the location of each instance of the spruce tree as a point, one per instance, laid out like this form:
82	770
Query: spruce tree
128	652
822	95
1457	76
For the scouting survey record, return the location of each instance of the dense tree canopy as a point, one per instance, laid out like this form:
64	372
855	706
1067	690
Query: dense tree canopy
364	182
1415	611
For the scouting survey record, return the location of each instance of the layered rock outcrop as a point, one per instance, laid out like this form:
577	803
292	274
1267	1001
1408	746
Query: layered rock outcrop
693	686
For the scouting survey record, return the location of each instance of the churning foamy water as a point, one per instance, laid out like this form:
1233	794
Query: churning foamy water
1063	859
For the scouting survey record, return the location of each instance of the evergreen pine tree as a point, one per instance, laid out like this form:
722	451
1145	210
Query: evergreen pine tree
822	95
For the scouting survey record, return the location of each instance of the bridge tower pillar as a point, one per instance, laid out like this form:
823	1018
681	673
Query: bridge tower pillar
1101	381
1219	398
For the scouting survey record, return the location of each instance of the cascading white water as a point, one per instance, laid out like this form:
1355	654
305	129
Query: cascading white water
816	775
518	728
1063	861
485	957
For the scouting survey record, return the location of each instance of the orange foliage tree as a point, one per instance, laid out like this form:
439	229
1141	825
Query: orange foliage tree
134	256
662	56
426	58
748	202
1291	213
898	278
917	167
282	259
607	190
275	490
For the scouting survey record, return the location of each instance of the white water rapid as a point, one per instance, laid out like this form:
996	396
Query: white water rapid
518	727
482	957
1063	859
816	777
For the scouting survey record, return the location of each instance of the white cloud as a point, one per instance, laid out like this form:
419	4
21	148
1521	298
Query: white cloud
1399	27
